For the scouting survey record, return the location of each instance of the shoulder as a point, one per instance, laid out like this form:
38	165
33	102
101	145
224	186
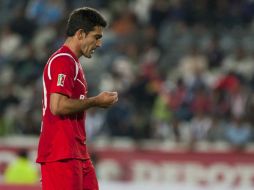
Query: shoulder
61	58
61	63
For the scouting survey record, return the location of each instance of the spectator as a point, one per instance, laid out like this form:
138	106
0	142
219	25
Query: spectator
240	63
238	133
21	171
192	64
199	127
214	53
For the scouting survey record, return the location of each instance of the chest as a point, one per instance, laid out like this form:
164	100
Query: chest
80	85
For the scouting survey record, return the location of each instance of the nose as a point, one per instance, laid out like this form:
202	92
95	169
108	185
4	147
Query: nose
98	43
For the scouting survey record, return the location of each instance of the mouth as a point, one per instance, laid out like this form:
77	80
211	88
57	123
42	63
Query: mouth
92	51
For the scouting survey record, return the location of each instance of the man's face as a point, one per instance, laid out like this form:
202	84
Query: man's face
90	41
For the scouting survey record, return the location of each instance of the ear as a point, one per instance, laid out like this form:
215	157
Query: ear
80	34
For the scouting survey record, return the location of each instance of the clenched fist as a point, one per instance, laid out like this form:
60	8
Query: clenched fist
106	99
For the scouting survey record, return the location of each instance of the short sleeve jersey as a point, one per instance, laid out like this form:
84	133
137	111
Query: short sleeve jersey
62	137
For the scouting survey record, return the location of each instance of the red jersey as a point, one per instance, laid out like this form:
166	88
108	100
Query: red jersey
62	137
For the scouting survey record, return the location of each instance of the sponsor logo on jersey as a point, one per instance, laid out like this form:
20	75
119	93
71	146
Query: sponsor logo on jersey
60	80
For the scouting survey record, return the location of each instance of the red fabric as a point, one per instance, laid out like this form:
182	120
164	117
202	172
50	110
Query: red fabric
69	175
228	82
62	137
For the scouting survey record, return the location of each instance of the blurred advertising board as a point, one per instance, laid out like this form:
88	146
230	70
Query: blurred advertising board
232	169
205	170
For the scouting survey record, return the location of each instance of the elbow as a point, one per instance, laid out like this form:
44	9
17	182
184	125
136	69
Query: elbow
57	104
55	110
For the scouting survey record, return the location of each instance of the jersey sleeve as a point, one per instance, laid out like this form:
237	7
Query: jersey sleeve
63	73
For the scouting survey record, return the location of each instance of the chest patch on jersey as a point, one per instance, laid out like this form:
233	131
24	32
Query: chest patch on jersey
61	79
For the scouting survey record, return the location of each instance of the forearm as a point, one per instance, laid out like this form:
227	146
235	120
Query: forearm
72	106
62	105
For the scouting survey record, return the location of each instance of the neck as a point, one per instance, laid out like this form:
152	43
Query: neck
70	43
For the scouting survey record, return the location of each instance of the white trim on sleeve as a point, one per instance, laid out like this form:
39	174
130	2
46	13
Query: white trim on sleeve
58	55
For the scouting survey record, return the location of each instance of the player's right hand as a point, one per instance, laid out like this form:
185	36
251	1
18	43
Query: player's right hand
106	99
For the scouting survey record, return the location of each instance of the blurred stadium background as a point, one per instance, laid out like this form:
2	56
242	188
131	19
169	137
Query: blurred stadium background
184	70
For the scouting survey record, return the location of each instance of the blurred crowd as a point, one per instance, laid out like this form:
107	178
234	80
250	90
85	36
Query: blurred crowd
184	69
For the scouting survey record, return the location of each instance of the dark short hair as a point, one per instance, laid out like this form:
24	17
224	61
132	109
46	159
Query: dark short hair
23	153
85	18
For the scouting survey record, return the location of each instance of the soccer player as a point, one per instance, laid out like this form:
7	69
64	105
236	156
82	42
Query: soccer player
62	151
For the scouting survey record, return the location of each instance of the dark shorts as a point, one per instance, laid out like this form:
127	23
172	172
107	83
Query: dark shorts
69	174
